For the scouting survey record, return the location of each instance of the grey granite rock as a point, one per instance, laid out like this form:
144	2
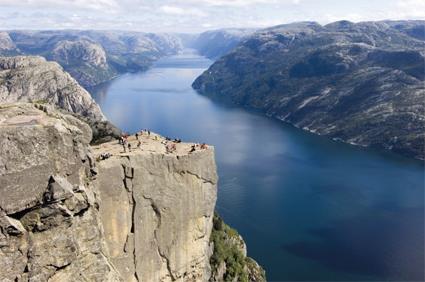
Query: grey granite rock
33	79
68	215
50	228
157	211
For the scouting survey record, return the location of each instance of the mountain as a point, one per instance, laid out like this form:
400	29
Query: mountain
92	57
6	44
215	43
362	83
69	214
33	79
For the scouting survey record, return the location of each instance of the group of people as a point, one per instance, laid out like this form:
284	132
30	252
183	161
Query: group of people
170	144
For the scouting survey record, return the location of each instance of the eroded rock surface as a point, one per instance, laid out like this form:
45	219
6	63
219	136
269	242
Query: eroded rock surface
157	209
33	79
49	223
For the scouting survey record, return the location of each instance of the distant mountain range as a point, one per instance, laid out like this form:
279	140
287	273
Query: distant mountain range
362	83
92	57
216	43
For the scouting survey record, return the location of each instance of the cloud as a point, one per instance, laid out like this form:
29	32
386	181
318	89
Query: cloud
78	4
175	10
195	15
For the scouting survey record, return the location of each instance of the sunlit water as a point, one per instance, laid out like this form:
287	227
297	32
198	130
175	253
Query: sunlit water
309	208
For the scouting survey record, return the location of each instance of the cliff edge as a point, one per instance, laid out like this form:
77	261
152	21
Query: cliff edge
69	213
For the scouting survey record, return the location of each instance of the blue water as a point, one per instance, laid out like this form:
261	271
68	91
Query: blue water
309	208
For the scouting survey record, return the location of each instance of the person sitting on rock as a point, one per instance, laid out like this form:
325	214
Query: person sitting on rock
204	146
193	149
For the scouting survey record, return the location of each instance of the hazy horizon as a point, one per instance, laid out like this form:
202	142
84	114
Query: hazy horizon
193	16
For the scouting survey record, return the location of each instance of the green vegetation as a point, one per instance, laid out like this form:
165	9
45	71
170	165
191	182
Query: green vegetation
229	248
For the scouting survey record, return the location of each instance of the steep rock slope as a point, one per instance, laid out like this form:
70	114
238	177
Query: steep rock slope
29	79
6	44
86	61
361	83
50	229
93	57
216	43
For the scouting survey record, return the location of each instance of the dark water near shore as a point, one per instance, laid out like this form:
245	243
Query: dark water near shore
309	208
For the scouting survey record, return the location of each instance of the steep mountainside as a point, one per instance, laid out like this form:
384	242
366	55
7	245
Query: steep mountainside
361	83
33	79
86	61
29	79
215	43
93	57
6	44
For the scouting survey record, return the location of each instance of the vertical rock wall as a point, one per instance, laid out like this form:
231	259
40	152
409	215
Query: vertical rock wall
157	212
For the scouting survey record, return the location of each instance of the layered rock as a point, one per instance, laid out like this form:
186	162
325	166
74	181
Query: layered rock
50	229
360	83
33	79
143	215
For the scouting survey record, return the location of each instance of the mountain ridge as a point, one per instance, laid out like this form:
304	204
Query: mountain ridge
361	83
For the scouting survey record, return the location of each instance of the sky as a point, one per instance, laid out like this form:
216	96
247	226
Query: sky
195	15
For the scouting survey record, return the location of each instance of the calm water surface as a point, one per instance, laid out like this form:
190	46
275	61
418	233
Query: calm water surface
309	208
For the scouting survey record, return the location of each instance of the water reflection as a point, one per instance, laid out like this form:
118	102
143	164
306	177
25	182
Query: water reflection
309	208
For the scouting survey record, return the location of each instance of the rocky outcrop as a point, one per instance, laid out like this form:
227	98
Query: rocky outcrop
362	83
157	210
50	229
33	79
229	261
6	43
68	213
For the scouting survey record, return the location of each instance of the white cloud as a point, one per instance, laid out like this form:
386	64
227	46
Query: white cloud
174	10
79	4
195	15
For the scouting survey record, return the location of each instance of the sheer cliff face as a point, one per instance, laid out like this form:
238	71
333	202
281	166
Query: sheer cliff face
139	216
361	83
157	212
29	79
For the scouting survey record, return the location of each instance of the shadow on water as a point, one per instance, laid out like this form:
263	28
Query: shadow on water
396	235
308	207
